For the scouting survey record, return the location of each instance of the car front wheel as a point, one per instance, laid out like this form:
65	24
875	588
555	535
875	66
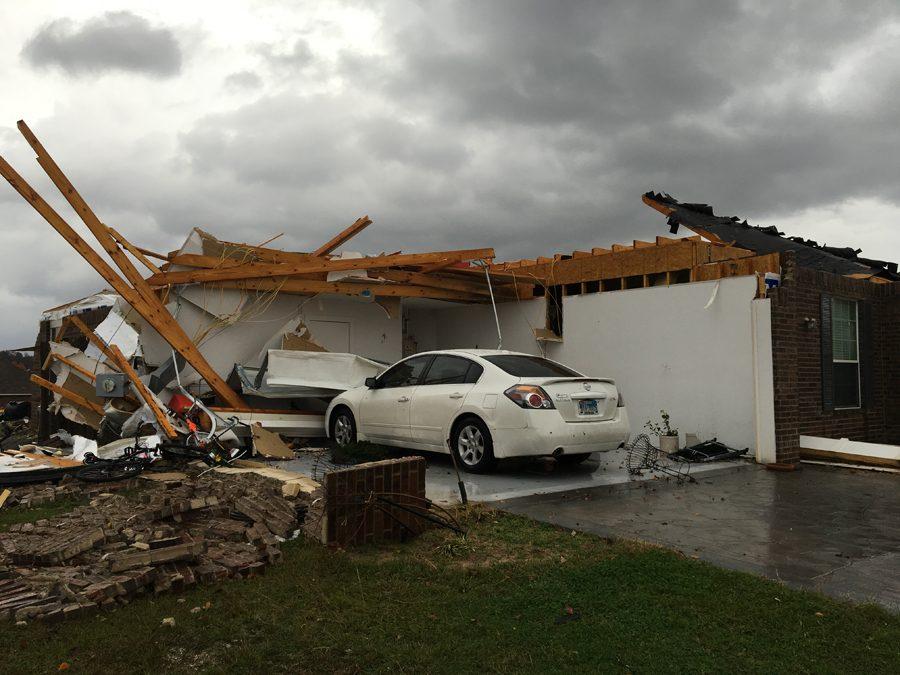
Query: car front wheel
343	427
472	445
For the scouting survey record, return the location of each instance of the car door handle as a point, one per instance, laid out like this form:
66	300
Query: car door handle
456	394
403	399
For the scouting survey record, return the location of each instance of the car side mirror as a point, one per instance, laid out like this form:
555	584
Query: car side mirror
371	382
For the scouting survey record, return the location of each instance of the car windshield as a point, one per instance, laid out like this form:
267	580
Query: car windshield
521	365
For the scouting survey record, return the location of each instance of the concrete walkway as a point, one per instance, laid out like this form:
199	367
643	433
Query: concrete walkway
836	531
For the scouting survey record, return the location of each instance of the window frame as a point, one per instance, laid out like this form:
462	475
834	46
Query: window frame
856	361
429	357
469	367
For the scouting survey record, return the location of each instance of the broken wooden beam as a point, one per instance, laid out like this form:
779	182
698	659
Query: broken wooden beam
261	271
312	287
70	395
342	237
142	391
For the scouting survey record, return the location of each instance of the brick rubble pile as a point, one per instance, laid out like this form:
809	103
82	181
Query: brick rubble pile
134	540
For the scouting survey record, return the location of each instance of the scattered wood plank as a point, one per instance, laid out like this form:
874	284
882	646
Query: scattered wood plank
69	395
342	237
4	496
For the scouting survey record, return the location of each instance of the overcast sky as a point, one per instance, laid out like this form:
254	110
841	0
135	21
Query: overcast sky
532	127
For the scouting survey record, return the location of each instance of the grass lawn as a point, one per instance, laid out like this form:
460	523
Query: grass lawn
513	596
11	516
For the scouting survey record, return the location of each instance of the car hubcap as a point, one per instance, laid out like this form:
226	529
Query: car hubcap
343	430
470	445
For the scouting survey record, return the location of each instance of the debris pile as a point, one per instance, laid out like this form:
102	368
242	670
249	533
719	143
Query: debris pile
143	536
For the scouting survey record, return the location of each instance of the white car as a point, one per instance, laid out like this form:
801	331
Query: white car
484	404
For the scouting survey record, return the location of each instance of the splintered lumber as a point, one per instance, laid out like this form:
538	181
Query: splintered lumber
342	237
143	392
70	395
4	496
261	271
146	304
134	250
312	287
419	279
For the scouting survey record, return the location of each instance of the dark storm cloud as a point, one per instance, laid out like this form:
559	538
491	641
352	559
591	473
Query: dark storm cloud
529	126
551	119
114	41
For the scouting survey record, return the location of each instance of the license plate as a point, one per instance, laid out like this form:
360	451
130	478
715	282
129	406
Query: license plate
588	407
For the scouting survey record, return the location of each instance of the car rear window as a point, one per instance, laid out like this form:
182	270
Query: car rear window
530	366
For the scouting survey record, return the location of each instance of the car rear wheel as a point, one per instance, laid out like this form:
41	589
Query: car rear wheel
472	445
343	427
571	460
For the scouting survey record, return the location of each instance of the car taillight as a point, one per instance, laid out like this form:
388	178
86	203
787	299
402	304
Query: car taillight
621	403
529	397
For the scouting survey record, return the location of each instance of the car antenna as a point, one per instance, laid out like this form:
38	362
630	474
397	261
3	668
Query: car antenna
487	275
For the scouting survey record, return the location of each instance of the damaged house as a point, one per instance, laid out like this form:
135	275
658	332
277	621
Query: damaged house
742	334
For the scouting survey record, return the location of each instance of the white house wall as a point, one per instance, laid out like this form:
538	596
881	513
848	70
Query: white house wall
372	333
685	348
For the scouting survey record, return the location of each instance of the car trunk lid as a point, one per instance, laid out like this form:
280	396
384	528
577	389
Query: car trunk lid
580	399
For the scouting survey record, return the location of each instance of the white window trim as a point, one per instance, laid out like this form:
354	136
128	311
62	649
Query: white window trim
856	360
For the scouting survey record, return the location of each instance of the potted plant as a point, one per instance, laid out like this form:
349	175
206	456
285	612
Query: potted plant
668	437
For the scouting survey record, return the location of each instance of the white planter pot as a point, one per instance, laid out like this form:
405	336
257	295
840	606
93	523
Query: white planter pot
668	444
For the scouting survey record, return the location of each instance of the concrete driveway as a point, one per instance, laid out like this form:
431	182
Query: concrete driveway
519	478
833	530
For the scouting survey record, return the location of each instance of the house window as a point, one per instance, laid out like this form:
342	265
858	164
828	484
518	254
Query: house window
845	352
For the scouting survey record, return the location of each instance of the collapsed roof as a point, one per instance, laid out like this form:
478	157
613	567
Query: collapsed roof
699	218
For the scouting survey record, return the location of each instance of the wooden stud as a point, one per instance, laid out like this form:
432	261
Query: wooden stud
600	251
70	395
342	237
621	247
637	243
580	254
143	392
317	265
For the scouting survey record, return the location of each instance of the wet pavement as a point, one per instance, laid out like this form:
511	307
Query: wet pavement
836	531
520	478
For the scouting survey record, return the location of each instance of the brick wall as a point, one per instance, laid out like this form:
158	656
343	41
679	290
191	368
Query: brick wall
797	360
364	504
